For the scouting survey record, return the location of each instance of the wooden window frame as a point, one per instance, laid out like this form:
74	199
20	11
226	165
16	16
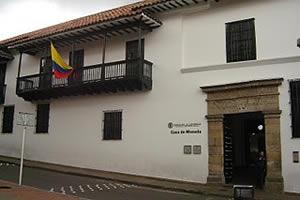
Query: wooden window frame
131	43
112	130
241	41
40	129
8	130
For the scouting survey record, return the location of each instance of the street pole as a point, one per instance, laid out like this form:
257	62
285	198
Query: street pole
22	156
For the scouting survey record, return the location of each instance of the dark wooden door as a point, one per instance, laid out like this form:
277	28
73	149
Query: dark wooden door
228	150
77	64
132	57
45	72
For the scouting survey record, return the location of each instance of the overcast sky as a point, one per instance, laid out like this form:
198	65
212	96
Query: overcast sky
21	16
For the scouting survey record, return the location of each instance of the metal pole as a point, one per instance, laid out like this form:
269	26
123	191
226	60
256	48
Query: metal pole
22	156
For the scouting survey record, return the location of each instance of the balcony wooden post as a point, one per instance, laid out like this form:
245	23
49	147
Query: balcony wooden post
72	58
140	63
19	70
103	58
103	49
20	63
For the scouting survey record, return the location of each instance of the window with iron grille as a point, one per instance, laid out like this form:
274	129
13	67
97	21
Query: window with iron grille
42	118
112	125
240	41
8	119
295	106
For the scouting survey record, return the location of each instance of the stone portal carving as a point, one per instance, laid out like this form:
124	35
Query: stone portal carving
254	96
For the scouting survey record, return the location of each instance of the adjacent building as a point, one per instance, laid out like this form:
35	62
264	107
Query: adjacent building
183	90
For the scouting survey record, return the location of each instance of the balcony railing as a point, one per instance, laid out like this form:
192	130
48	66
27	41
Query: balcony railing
125	75
2	93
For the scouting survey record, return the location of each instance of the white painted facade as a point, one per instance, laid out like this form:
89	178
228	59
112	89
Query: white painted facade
188	51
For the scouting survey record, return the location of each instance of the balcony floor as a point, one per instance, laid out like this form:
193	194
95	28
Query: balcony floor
113	86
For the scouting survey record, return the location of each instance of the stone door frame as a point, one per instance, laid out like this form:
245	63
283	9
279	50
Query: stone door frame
253	96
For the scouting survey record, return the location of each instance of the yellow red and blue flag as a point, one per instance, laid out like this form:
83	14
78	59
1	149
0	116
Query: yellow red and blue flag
59	67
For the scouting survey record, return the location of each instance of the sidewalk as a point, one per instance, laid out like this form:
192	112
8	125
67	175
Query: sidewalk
11	191
227	191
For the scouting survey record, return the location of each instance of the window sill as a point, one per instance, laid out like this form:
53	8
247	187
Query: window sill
297	138
250	63
111	139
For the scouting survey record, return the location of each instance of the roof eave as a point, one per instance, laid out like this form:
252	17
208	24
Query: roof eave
96	30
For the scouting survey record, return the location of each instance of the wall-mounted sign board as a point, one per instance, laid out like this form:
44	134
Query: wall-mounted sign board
196	149
26	119
296	156
187	149
190	128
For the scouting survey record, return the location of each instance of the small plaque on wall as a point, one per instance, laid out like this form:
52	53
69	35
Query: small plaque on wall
197	149
296	156
187	149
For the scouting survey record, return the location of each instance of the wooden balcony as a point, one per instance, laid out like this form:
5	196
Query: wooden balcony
125	75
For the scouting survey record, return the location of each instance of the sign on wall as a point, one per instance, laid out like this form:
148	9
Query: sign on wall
184	128
296	156
25	119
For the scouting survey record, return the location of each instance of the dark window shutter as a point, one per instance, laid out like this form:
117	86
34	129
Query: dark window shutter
78	62
2	82
78	58
42	118
2	73
112	126
8	119
295	106
132	49
240	41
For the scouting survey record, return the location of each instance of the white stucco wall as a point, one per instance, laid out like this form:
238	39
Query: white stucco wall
187	39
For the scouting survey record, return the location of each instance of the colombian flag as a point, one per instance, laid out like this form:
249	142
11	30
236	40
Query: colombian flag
59	67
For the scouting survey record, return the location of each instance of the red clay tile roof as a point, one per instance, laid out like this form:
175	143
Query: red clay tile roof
109	15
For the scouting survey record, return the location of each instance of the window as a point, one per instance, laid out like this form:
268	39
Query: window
2	82
295	105
45	65
132	48
78	58
42	118
133	63
240	41
45	69
78	62
112	125
8	119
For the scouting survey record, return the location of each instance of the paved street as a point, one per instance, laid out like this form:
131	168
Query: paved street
91	188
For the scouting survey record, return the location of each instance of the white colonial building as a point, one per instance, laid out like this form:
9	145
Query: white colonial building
183	90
